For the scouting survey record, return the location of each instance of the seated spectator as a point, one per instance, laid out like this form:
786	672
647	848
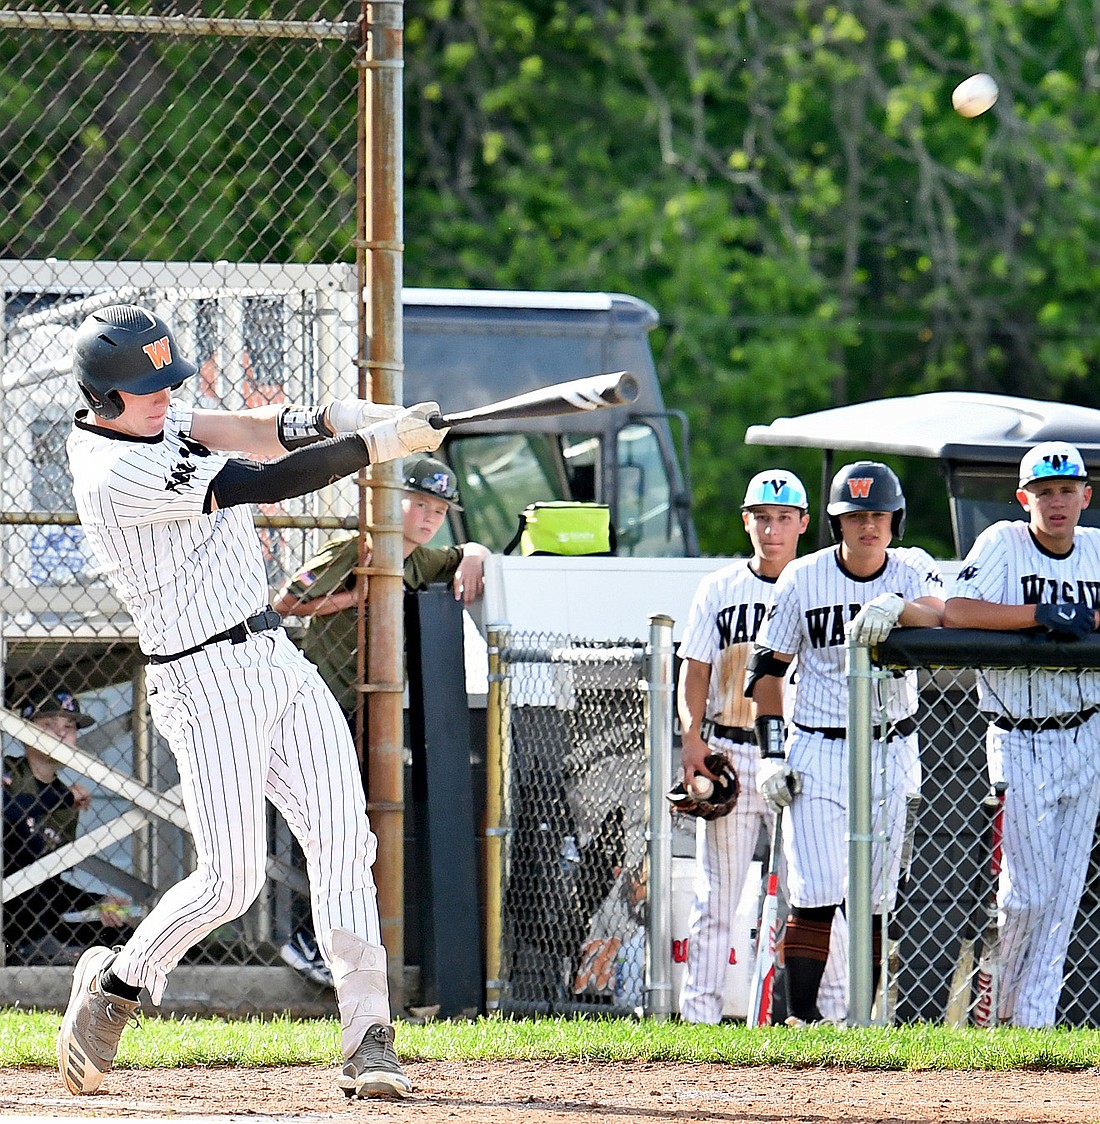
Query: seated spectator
54	921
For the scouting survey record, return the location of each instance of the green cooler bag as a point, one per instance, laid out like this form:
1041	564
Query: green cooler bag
564	527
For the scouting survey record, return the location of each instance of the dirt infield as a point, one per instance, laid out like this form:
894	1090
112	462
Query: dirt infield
479	1092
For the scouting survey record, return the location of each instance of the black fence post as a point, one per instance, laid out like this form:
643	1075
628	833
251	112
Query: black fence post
444	806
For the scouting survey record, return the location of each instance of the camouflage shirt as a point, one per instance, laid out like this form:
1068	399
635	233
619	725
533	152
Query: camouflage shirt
331	641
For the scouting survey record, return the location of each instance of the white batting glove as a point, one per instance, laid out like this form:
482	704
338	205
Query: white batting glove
777	782
876	620
410	432
349	415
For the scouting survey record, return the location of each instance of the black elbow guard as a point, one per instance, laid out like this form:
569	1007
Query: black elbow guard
770	734
762	661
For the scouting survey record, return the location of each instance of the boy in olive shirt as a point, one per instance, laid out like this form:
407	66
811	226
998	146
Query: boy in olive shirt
325	591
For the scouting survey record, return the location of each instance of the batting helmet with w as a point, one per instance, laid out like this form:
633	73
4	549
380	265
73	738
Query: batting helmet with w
124	347
866	486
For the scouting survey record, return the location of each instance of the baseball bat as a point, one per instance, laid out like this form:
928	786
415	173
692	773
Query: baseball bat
892	959
762	981
957	1012
989	963
617	388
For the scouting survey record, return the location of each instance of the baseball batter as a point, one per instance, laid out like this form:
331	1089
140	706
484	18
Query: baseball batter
1044	725
715	717
862	587
166	508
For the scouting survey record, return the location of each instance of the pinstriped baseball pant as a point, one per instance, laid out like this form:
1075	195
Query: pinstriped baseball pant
1050	815
724	853
815	844
248	722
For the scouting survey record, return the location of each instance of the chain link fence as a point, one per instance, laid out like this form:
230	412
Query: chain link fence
574	777
572	741
944	907
149	153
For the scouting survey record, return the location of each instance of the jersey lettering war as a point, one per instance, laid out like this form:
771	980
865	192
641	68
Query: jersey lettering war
825	626
725	616
815	597
732	623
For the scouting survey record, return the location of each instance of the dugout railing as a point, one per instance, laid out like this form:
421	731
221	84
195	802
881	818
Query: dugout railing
935	933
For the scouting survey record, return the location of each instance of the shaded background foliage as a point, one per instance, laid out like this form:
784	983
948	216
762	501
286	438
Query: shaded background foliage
787	183
783	179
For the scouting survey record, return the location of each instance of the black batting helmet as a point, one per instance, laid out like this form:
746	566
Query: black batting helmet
866	486
128	348
433	478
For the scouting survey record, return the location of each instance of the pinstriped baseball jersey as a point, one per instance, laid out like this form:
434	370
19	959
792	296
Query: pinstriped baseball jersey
728	608
815	597
1007	566
184	575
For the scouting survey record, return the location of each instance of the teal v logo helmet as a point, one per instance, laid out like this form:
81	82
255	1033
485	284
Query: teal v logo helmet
777	486
1052	459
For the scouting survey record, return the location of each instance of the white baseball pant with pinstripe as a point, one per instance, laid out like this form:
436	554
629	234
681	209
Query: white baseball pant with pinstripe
816	846
1051	806
724	854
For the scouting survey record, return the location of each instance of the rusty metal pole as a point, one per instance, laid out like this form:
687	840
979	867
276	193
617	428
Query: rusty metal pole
381	663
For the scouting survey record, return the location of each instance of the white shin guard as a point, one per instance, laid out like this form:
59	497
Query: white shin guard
362	988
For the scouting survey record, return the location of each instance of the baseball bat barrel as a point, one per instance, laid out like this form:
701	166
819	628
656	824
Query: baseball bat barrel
616	388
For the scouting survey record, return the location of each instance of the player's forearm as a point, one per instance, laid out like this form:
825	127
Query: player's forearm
269	431
691	695
295	474
767	697
925	612
254	431
968	612
691	706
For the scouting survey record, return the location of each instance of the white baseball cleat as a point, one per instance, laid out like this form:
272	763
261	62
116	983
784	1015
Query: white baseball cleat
92	1026
373	1070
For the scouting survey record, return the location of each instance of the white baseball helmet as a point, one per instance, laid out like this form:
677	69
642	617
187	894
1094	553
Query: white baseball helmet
777	486
1052	459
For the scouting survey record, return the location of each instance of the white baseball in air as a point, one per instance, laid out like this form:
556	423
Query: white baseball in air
974	95
703	786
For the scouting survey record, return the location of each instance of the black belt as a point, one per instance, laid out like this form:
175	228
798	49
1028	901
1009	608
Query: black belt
900	729
737	734
261	622
1054	722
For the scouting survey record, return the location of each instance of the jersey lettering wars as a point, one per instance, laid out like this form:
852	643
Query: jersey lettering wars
1007	566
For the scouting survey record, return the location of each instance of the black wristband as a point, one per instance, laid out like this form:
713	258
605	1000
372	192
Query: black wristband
302	425
770	735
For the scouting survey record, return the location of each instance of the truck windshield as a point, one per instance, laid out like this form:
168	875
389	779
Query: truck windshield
647	523
500	474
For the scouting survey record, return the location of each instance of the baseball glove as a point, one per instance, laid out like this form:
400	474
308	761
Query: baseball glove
718	803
